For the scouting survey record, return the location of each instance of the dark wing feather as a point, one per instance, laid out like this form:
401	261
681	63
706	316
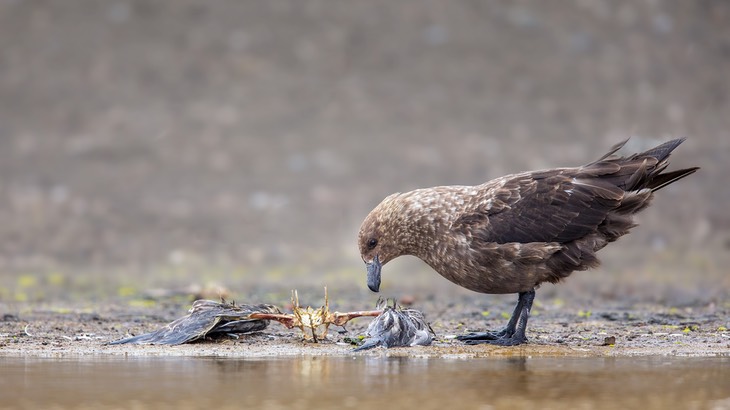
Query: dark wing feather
567	204
206	317
547	206
202	318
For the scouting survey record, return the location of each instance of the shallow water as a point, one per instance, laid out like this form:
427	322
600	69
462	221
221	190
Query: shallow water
354	382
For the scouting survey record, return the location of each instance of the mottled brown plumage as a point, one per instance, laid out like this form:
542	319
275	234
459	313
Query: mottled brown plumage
513	233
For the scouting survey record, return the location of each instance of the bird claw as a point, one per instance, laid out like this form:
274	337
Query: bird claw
504	341
500	338
514	333
481	336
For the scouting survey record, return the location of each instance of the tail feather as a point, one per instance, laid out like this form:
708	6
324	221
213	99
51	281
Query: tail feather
661	152
656	178
639	171
636	180
610	151
662	180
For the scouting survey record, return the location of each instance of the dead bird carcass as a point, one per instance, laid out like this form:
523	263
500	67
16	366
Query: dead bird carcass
210	319
313	323
206	319
395	327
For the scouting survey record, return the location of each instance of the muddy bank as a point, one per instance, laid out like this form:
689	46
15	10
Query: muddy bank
557	328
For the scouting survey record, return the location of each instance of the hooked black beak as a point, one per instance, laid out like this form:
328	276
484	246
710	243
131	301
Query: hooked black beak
374	274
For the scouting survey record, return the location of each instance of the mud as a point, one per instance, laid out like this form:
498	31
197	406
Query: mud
557	328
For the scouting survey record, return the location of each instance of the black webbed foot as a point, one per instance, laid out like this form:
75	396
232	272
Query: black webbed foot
514	333
483	336
503	341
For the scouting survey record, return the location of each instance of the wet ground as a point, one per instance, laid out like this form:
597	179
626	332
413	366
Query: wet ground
585	351
571	327
355	381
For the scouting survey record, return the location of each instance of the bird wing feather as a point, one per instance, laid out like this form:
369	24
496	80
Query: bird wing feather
558	205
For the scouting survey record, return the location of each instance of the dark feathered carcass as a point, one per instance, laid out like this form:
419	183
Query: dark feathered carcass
396	326
206	318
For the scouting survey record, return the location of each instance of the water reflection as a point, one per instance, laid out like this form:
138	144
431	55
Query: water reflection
321	382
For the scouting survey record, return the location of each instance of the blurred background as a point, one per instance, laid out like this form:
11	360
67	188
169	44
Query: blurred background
149	144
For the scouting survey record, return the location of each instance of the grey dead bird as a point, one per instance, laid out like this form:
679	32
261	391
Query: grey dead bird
513	233
206	318
397	327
